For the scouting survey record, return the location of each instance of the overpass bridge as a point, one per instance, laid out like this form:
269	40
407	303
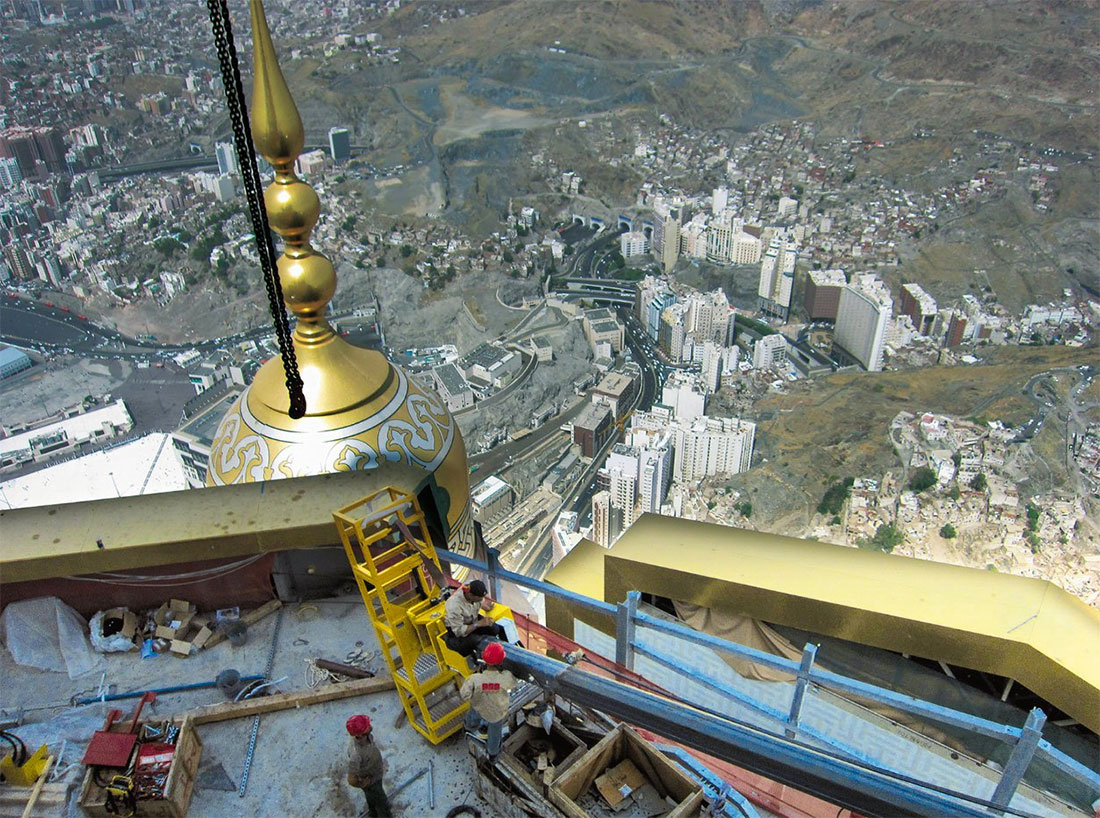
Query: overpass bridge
611	291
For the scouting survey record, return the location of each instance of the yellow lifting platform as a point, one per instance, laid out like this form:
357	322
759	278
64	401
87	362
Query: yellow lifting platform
401	580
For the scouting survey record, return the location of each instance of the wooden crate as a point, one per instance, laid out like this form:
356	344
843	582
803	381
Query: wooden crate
620	744
177	792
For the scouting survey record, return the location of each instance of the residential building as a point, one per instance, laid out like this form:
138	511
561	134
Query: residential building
606	525
684	395
769	351
226	155
452	387
601	326
633	243
863	315
491	499
707	446
821	297
592	428
920	307
777	276
617	390
339	144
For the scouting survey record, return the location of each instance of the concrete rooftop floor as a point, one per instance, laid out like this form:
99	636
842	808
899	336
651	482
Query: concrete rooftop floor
299	765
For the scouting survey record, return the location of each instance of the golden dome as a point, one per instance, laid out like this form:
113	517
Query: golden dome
362	412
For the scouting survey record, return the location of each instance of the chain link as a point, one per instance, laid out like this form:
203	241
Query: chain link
250	176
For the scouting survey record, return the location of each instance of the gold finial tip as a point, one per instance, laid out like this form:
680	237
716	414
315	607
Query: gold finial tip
276	125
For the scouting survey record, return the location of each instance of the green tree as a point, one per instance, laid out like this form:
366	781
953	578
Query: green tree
745	508
887	538
835	495
407	250
568	250
979	483
922	480
507	256
954	492
380	261
948	531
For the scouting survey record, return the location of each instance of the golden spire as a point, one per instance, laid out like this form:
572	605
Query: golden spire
307	276
362	412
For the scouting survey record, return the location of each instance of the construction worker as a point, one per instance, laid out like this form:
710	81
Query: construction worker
365	768
467	624
488	693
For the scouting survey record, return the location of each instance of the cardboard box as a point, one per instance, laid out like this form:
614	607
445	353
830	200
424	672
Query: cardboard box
173	618
129	620
180	647
619	782
200	638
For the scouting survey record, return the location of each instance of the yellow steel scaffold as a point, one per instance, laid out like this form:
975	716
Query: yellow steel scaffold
401	580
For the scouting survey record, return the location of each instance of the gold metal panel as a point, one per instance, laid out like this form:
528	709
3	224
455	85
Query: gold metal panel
1027	629
183	526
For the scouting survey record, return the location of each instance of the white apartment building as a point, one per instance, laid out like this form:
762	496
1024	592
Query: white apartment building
633	243
769	351
706	447
684	395
787	207
862	319
711	366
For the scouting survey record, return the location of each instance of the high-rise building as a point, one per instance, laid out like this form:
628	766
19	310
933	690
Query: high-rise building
956	322
822	295
862	318
707	446
226	155
666	235
711	367
769	351
653	296
777	277
339	144
684	395
719	200
655	472
10	174
633	243
605	520
919	306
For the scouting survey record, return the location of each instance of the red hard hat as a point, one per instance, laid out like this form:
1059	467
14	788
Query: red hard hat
358	725
493	654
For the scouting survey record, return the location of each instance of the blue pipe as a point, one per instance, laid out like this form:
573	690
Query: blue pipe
133	694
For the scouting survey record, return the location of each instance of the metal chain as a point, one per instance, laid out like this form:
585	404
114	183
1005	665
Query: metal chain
250	176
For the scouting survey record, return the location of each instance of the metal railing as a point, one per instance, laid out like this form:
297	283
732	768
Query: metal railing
1026	742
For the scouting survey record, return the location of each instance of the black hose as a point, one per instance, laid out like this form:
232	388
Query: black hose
461	808
19	754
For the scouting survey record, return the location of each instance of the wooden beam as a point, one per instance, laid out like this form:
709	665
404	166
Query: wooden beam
250	618
38	788
286	701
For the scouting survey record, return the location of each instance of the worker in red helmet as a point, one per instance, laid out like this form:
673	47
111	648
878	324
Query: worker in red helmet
365	768
488	693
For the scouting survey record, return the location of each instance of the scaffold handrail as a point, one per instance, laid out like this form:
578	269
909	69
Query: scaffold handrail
1008	734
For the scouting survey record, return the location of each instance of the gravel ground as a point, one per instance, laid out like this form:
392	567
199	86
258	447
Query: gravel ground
299	764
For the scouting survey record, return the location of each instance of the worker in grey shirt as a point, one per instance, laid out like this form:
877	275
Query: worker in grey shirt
467	624
489	693
365	768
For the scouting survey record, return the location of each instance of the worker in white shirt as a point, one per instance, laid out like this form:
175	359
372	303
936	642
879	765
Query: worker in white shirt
464	614
489	693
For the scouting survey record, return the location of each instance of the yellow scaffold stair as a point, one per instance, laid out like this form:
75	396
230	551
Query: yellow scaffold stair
401	580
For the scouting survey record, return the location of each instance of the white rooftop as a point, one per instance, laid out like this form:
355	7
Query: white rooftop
78	427
148	465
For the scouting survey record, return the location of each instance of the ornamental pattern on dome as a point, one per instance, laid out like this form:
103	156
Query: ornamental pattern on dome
413	427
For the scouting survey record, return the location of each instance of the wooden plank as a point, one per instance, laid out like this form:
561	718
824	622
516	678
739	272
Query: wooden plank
250	619
38	787
285	701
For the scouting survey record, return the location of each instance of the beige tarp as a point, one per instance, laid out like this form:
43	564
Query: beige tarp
745	631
